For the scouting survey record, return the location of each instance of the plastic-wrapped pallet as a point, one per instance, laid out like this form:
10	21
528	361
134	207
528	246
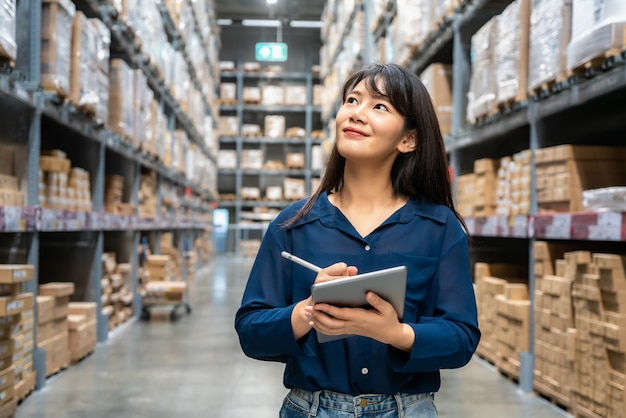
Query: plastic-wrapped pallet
8	46
121	116
411	29
550	24
598	29
84	65
511	52
103	53
56	38
482	92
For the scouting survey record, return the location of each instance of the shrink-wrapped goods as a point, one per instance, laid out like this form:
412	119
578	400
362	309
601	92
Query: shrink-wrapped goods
56	42
597	30
8	45
83	69
410	28
482	92
437	79
511	52
550	28
121	120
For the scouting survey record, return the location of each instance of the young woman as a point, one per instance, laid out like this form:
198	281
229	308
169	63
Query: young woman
385	200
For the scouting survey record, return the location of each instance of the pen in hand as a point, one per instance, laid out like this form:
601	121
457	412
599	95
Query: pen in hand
300	261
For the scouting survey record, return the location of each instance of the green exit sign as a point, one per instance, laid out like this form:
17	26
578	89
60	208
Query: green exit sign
271	51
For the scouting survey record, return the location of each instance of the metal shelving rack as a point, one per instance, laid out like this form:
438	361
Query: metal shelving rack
33	120
308	113
582	111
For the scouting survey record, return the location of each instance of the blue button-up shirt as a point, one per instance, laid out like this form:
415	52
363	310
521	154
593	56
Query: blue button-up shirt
440	303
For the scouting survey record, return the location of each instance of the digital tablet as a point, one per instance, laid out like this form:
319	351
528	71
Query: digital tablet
389	284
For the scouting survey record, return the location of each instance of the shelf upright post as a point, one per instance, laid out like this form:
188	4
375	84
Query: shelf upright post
134	251
308	126
32	199
239	147
461	73
96	267
28	16
369	37
527	359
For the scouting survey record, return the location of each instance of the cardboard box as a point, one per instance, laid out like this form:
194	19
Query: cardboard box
11	305
56	35
14	273
45	309
295	95
8	182
89	309
56	289
6	160
437	79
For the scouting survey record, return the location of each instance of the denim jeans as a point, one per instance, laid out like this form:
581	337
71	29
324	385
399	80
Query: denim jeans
324	404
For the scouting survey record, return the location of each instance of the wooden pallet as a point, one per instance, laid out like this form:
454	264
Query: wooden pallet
8	409
228	102
86	353
25	387
557	399
601	62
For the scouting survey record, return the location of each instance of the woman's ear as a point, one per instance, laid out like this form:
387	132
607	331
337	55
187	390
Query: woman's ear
409	142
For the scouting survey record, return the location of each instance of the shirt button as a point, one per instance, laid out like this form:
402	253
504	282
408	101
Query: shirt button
367	248
364	370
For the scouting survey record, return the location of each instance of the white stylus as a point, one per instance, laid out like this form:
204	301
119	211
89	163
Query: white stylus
300	261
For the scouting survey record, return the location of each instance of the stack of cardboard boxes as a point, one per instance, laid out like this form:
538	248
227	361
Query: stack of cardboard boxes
565	171
599	296
10	194
52	326
554	327
492	282
117	297
62	186
83	332
17	377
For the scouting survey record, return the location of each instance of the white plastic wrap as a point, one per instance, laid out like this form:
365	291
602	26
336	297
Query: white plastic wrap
482	92
549	32
597	28
607	198
8	46
411	27
511	52
56	37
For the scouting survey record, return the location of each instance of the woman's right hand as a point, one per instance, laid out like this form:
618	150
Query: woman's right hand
300	319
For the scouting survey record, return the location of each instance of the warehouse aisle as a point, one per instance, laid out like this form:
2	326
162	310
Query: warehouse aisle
194	368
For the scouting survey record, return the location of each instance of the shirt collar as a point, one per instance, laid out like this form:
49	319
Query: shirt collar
326	212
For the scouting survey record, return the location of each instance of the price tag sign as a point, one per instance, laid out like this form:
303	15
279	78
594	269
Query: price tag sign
561	226
490	227
12	218
520	226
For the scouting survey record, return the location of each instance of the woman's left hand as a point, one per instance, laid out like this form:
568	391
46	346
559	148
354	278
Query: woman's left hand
380	322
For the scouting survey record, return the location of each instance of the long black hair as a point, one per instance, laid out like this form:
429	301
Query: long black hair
421	173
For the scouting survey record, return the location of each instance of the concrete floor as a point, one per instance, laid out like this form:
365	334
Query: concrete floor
194	368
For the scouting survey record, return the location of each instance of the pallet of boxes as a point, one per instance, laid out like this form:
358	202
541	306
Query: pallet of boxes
52	324
161	287
17	378
117	296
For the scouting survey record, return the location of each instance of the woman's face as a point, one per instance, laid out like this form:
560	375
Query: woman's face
369	127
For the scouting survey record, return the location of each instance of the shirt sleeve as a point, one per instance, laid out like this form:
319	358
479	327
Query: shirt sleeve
263	321
449	337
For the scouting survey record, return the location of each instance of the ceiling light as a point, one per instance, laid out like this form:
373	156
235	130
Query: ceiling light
271	2
224	22
261	22
306	24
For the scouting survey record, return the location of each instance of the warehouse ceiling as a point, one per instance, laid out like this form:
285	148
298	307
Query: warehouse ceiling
259	9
